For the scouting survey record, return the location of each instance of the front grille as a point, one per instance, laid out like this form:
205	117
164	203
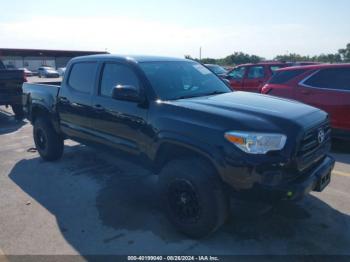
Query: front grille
314	145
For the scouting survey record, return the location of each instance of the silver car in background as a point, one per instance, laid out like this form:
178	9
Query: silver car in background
47	72
61	71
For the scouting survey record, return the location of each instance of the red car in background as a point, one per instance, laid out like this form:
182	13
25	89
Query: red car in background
324	86
252	77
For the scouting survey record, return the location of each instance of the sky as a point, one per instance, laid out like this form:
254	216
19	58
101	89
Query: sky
177	28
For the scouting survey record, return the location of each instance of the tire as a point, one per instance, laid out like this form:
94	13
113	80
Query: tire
48	143
18	111
193	197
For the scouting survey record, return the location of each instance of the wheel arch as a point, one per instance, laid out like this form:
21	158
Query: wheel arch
38	110
169	149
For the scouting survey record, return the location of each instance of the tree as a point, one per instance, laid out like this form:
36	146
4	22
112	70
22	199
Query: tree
345	53
330	58
208	61
293	58
238	58
231	60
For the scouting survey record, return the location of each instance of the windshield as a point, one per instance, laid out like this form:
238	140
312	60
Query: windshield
217	69
176	80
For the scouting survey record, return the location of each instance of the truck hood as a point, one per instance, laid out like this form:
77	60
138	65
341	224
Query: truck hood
251	107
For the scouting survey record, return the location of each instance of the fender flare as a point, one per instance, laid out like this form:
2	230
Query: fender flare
191	144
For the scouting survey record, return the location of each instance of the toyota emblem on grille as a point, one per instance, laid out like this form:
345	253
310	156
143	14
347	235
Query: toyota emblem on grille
321	136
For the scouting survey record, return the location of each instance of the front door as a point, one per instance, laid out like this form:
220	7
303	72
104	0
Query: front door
117	123
236	77
255	79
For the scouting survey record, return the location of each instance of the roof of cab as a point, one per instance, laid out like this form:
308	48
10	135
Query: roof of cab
133	58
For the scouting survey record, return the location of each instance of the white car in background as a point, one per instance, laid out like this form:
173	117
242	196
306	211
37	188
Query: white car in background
61	71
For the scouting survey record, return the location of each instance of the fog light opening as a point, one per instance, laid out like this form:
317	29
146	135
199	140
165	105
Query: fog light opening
289	194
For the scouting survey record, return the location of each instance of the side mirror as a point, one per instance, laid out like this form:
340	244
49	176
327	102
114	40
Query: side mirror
126	93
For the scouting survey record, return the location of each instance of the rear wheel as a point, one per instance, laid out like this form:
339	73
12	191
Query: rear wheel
193	196
47	141
18	111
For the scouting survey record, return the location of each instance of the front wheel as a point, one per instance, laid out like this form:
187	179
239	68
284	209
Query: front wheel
193	196
47	141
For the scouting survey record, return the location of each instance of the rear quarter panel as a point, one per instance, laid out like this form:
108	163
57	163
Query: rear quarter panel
39	95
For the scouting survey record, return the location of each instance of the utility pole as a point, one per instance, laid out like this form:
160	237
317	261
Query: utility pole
200	54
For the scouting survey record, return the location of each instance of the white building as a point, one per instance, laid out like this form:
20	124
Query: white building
35	58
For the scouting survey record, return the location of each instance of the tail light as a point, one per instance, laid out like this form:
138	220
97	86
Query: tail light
266	89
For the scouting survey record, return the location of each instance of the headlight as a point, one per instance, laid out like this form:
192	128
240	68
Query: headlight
256	143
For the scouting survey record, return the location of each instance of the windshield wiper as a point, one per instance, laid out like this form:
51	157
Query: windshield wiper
215	93
187	96
199	95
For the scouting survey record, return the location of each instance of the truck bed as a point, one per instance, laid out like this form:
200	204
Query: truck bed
42	94
10	86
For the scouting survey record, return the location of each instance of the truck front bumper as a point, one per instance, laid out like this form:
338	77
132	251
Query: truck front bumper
315	179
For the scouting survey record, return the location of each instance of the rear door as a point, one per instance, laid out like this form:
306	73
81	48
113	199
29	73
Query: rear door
121	124
329	89
236	77
255	79
74	102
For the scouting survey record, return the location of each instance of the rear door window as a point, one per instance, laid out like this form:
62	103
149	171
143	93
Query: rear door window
282	77
331	78
256	72
82	77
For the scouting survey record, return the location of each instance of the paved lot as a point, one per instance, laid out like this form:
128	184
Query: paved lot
93	202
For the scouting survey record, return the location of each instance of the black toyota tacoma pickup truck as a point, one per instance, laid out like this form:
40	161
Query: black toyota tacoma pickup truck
11	89
207	143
